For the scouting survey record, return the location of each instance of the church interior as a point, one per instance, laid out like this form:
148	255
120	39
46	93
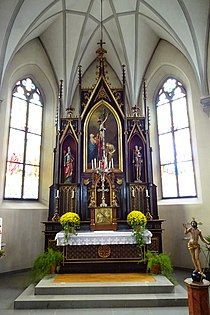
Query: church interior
104	109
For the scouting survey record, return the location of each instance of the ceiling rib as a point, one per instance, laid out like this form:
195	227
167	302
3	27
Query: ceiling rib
75	64
124	50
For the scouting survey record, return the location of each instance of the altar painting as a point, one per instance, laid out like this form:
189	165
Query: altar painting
103	128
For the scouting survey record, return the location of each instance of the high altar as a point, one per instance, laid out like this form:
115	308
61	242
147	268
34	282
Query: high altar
102	171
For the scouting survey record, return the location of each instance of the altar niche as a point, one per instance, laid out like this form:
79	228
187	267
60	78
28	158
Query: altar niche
103	202
103	138
102	171
103	157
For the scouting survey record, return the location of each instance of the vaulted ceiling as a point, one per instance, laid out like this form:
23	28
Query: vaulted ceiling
69	31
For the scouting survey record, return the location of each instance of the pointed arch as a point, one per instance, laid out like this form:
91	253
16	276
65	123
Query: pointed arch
174	136
24	145
113	134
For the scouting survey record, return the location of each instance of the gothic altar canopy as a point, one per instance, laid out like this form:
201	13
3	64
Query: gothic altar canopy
103	168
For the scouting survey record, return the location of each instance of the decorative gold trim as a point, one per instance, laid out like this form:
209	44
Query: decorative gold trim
68	126
103	216
93	93
86	181
132	132
104	251
119	181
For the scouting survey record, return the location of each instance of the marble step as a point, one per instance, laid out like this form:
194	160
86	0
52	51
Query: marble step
47	286
29	300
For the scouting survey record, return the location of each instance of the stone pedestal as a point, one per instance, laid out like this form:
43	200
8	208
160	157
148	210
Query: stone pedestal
198	297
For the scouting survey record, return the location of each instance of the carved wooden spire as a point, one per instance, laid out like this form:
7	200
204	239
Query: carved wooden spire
101	51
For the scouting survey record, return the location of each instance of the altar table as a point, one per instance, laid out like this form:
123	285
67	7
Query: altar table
101	238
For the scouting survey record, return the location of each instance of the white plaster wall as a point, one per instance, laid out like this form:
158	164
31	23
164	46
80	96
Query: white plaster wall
22	233
169	61
22	221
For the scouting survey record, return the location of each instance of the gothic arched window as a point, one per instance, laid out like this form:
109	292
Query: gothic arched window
23	155
176	160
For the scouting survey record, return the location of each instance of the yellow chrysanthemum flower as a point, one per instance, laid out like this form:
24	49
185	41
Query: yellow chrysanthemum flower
69	221
135	218
71	218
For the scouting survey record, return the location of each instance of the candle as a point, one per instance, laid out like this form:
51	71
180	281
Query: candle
147	194
133	192
112	163
105	162
72	194
57	193
92	164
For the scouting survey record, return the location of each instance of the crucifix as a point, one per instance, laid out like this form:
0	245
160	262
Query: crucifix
103	190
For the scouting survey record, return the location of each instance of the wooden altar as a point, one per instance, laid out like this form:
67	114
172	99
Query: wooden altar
102	171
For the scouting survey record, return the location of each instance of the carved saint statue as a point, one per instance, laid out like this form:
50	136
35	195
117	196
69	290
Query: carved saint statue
68	165
194	246
137	162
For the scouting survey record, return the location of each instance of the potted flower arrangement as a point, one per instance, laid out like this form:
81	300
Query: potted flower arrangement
46	263
137	221
70	221
160	263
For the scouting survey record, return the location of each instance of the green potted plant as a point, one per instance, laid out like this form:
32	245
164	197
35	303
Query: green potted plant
46	263
160	263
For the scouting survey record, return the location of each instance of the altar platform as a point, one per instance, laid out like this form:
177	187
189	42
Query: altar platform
123	291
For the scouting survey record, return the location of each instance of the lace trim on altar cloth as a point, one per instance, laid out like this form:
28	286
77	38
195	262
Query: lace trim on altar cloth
101	238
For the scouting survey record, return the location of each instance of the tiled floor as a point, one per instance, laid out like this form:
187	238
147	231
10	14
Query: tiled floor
11	285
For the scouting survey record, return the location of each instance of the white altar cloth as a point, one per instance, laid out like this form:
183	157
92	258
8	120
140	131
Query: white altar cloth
101	238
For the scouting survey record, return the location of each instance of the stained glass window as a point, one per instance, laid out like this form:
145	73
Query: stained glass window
23	155
175	149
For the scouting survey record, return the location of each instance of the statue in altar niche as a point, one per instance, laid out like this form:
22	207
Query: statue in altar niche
137	163
68	164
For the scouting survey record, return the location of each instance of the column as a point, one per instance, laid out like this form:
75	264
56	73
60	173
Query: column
198	297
